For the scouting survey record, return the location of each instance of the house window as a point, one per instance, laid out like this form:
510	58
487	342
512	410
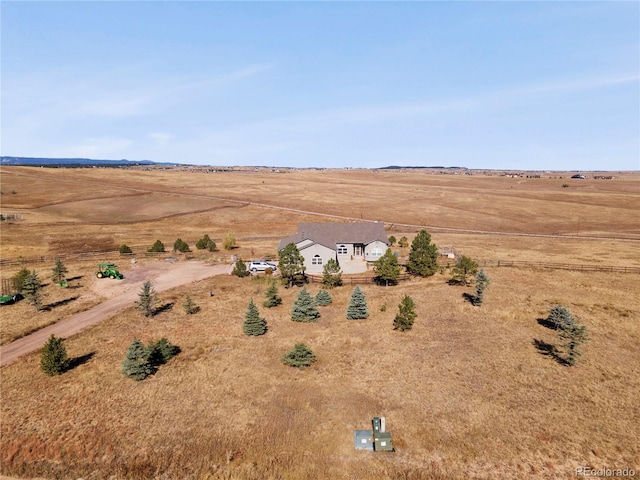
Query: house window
342	250
376	252
316	260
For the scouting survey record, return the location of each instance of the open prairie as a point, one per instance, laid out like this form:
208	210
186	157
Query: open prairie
469	392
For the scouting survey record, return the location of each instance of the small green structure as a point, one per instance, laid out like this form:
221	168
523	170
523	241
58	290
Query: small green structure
9	299
377	439
108	270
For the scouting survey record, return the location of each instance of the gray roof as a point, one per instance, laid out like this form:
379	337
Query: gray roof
332	234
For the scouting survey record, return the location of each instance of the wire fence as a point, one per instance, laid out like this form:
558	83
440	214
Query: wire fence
111	255
140	251
356	279
559	266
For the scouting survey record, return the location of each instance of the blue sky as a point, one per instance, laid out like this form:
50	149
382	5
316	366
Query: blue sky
497	85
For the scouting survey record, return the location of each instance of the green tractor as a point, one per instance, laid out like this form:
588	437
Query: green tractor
108	270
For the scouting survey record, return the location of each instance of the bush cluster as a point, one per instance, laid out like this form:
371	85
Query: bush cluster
181	246
300	356
141	361
157	247
240	269
205	243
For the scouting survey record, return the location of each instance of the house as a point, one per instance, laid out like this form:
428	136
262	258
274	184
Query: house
352	245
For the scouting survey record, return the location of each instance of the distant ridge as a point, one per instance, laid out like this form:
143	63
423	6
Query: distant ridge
77	162
398	167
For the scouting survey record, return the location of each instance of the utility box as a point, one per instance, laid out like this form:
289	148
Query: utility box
382	442
376	422
377	440
363	440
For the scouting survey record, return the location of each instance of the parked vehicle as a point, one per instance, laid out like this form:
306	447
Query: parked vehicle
261	266
9	299
108	270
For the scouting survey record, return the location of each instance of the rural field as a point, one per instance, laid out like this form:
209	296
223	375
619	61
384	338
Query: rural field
469	392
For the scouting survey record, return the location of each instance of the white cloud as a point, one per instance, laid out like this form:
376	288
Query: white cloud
161	139
574	85
134	105
99	148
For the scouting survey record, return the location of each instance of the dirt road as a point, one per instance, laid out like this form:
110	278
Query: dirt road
120	294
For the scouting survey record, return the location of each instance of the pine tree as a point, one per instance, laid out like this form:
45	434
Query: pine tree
253	324
406	314
160	352
304	308
181	246
189	306
573	335
386	269
273	300
357	309
53	357
59	272
157	247
147	299
323	298
301	356
423	257
331	274
136	364
32	290
240	269
560	317
291	264
205	243
19	279
463	268
482	282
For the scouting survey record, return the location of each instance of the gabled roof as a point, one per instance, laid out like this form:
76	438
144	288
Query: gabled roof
332	234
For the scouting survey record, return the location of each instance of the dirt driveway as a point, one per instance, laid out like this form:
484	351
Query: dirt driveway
120	294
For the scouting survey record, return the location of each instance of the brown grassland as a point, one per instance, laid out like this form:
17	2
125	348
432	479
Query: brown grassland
466	392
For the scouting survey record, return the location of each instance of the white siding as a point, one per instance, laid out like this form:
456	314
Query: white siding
311	251
371	248
348	246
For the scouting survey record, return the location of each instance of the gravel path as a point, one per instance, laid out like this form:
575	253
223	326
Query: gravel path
121	294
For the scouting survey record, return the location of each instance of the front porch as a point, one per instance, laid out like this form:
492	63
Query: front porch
350	264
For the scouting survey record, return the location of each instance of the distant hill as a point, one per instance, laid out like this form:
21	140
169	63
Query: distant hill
76	162
398	167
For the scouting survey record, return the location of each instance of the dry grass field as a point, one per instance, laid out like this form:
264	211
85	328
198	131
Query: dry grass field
466	392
